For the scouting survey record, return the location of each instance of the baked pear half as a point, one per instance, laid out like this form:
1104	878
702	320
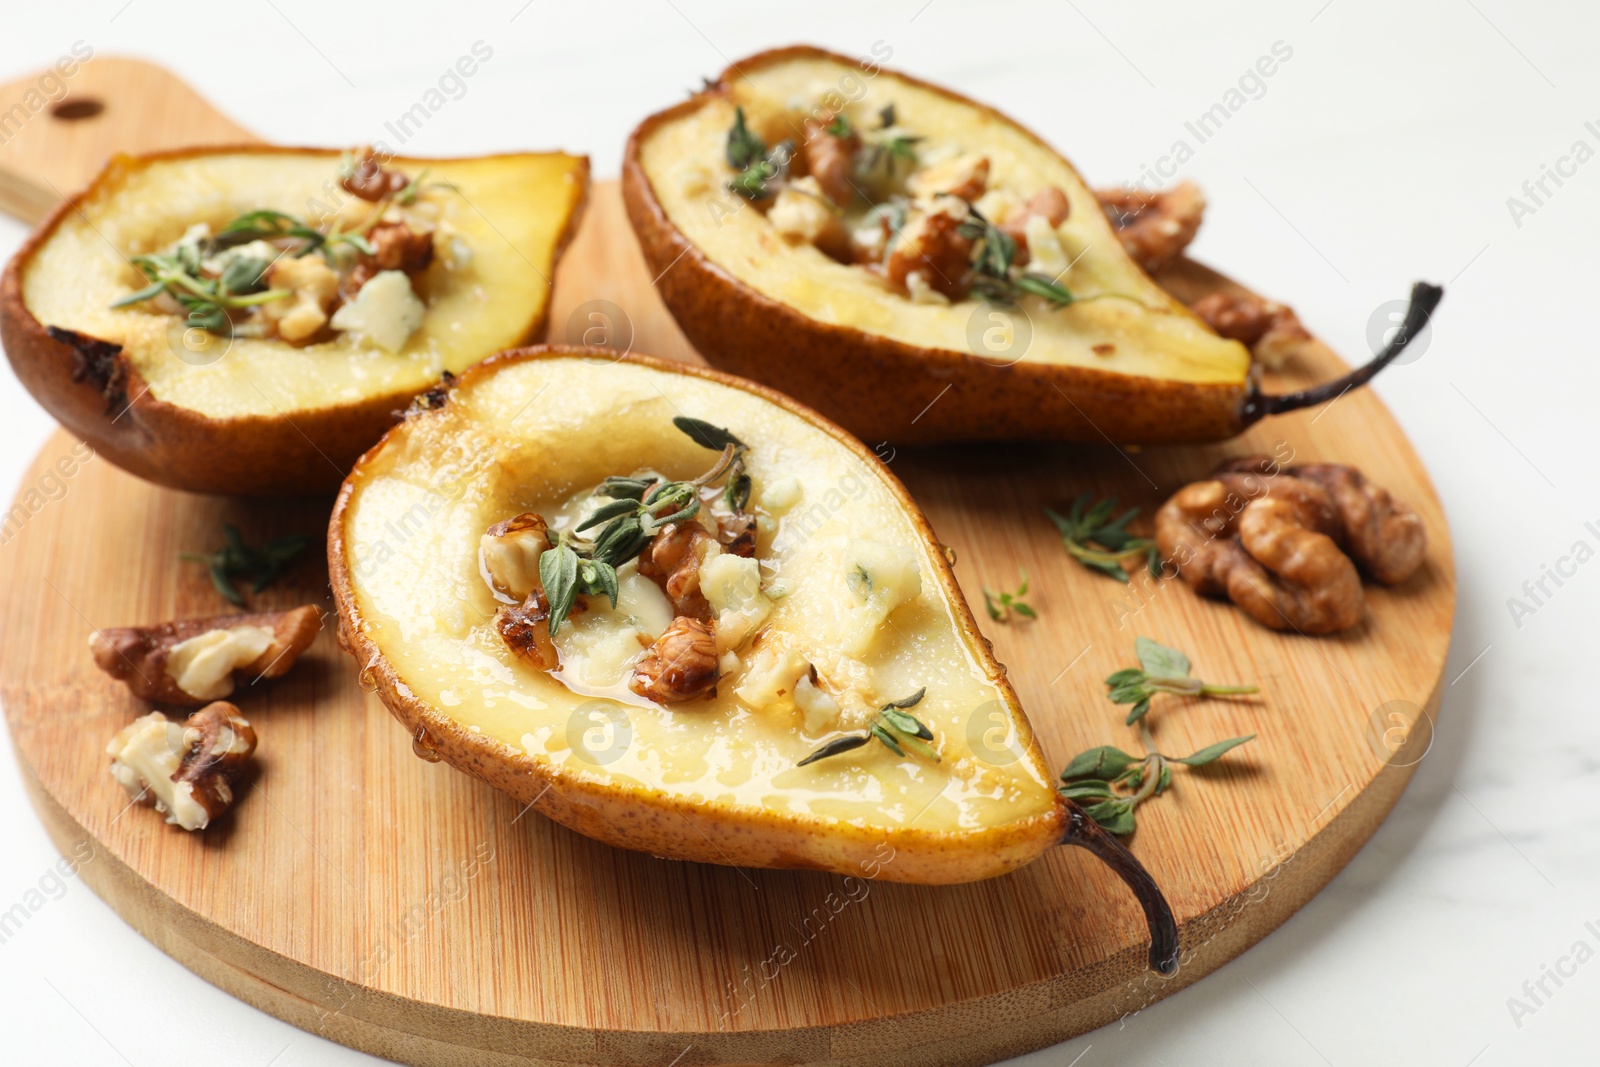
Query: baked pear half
248	319
919	267
680	613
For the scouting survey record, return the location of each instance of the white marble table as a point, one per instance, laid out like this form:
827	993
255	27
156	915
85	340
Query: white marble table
1387	146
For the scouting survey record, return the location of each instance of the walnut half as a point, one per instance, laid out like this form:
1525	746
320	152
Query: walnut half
190	662
185	770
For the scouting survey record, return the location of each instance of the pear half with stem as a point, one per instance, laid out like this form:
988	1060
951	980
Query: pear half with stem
810	693
300	314
921	268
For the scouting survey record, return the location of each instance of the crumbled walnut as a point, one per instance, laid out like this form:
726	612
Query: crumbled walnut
190	662
737	533
931	244
672	559
802	214
315	287
1272	331
966	176
1049	204
830	160
1155	228
370	180
511	551
681	665
525	628
186	770
395	246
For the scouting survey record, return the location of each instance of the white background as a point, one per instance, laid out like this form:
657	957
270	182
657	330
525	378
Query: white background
1383	151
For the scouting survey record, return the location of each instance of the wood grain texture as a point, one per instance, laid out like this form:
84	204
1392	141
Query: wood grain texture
400	907
53	139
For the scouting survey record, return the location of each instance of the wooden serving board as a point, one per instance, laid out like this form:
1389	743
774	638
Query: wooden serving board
400	907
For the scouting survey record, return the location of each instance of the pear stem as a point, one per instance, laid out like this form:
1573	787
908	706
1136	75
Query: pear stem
1083	832
1424	298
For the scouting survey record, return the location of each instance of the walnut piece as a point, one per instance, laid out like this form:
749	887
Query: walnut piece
830	160
803	214
966	176
1271	331
525	628
680	666
370	180
186	771
315	287
190	662
395	246
672	559
1266	544
1381	533
1155	228
931	244
1279	542
1049	204
511	551
736	532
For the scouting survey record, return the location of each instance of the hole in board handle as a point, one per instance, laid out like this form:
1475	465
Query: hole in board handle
84	107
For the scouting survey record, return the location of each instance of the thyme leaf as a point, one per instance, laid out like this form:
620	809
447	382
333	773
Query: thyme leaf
993	258
744	147
1110	783
236	559
758	168
1001	605
637	507
893	727
1161	670
1096	540
706	435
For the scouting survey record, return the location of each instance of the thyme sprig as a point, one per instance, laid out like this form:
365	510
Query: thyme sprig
888	152
235	559
993	257
210	291
1161	670
1110	783
1096	540
760	171
1000	605
637	509
893	727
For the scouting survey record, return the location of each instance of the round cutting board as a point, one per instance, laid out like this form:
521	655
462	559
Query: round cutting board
400	907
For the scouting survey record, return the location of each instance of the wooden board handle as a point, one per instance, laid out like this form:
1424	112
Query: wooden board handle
59	125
